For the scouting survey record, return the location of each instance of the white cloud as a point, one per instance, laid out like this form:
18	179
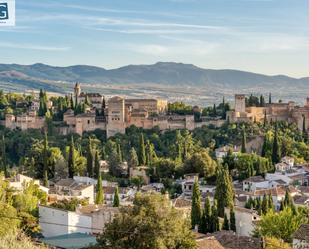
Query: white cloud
32	47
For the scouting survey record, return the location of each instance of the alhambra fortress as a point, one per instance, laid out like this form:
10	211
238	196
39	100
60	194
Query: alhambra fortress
289	112
118	113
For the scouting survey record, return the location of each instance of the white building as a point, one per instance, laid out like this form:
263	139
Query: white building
125	194
255	182
85	180
71	188
245	220
20	181
222	151
54	222
89	219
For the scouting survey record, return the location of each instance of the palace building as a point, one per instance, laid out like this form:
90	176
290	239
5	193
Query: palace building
272	112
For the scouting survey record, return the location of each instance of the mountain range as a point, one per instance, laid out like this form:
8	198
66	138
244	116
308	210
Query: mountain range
168	80
162	73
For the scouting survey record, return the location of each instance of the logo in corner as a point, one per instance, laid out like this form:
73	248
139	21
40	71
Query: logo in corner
4	11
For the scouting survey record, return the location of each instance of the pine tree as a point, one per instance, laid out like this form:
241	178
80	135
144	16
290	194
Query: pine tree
96	164
243	141
90	159
214	218
226	223
232	220
116	201
99	199
205	225
71	158
276	149
142	151
224	190
196	211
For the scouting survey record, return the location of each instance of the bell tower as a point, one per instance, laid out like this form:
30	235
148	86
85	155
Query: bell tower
77	90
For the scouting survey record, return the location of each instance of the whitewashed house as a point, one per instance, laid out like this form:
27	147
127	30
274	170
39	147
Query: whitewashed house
222	151
255	182
54	222
71	188
124	194
85	180
20	181
100	215
245	220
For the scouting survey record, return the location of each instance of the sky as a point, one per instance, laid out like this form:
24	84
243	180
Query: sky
263	36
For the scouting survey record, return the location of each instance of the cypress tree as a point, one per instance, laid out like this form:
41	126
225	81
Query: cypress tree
99	199
243	141
72	103
265	119
96	164
224	190
45	178
265	204
133	158
287	201
179	146
119	151
116	201
45	161
205	225
264	147
214	110
196	211
276	149
90	160
214	218
3	157
270	202
232	220
142	151
269	98
103	107
304	125
226	223
71	158
262	101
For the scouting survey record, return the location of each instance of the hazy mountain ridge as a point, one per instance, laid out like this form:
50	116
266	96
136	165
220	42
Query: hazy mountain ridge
162	73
